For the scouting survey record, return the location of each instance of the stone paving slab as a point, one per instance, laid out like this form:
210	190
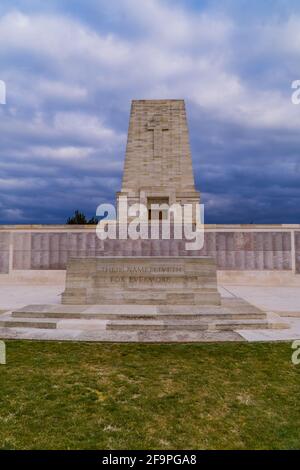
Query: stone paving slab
120	309
17	296
273	335
276	299
82	324
51	308
288	314
283	301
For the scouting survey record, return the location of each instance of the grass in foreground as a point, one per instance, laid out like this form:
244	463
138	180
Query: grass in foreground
133	396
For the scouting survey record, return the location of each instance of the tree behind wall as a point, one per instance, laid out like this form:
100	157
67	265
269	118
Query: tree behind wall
80	219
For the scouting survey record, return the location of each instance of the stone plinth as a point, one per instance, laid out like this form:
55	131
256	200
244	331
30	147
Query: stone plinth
142	280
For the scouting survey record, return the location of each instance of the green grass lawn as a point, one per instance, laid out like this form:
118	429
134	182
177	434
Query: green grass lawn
139	396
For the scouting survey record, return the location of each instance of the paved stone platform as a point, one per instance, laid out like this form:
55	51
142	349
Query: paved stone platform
138	322
284	301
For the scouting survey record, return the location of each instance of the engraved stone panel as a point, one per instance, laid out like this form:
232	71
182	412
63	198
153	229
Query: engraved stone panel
4	252
141	280
297	251
22	250
253	250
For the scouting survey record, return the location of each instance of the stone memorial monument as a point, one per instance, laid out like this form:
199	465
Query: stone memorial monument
158	172
148	289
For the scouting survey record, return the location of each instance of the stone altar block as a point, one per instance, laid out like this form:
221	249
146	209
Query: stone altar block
178	280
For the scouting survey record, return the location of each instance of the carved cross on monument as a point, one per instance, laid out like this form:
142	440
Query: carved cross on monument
157	125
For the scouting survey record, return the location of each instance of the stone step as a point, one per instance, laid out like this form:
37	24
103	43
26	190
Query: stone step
201	299
140	316
225	325
143	324
250	324
10	322
48	323
140	312
119	336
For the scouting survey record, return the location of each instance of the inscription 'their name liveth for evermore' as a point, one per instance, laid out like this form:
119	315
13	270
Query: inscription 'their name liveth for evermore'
140	269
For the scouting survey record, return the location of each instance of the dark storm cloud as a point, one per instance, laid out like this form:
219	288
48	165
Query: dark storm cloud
72	68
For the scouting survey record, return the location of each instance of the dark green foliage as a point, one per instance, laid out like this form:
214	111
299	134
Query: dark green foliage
80	219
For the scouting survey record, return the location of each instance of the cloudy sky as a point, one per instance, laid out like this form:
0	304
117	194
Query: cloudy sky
72	67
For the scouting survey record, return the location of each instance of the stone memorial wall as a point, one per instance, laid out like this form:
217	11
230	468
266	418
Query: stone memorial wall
235	247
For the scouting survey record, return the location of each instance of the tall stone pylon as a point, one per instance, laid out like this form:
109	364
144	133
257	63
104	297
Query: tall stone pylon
158	164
